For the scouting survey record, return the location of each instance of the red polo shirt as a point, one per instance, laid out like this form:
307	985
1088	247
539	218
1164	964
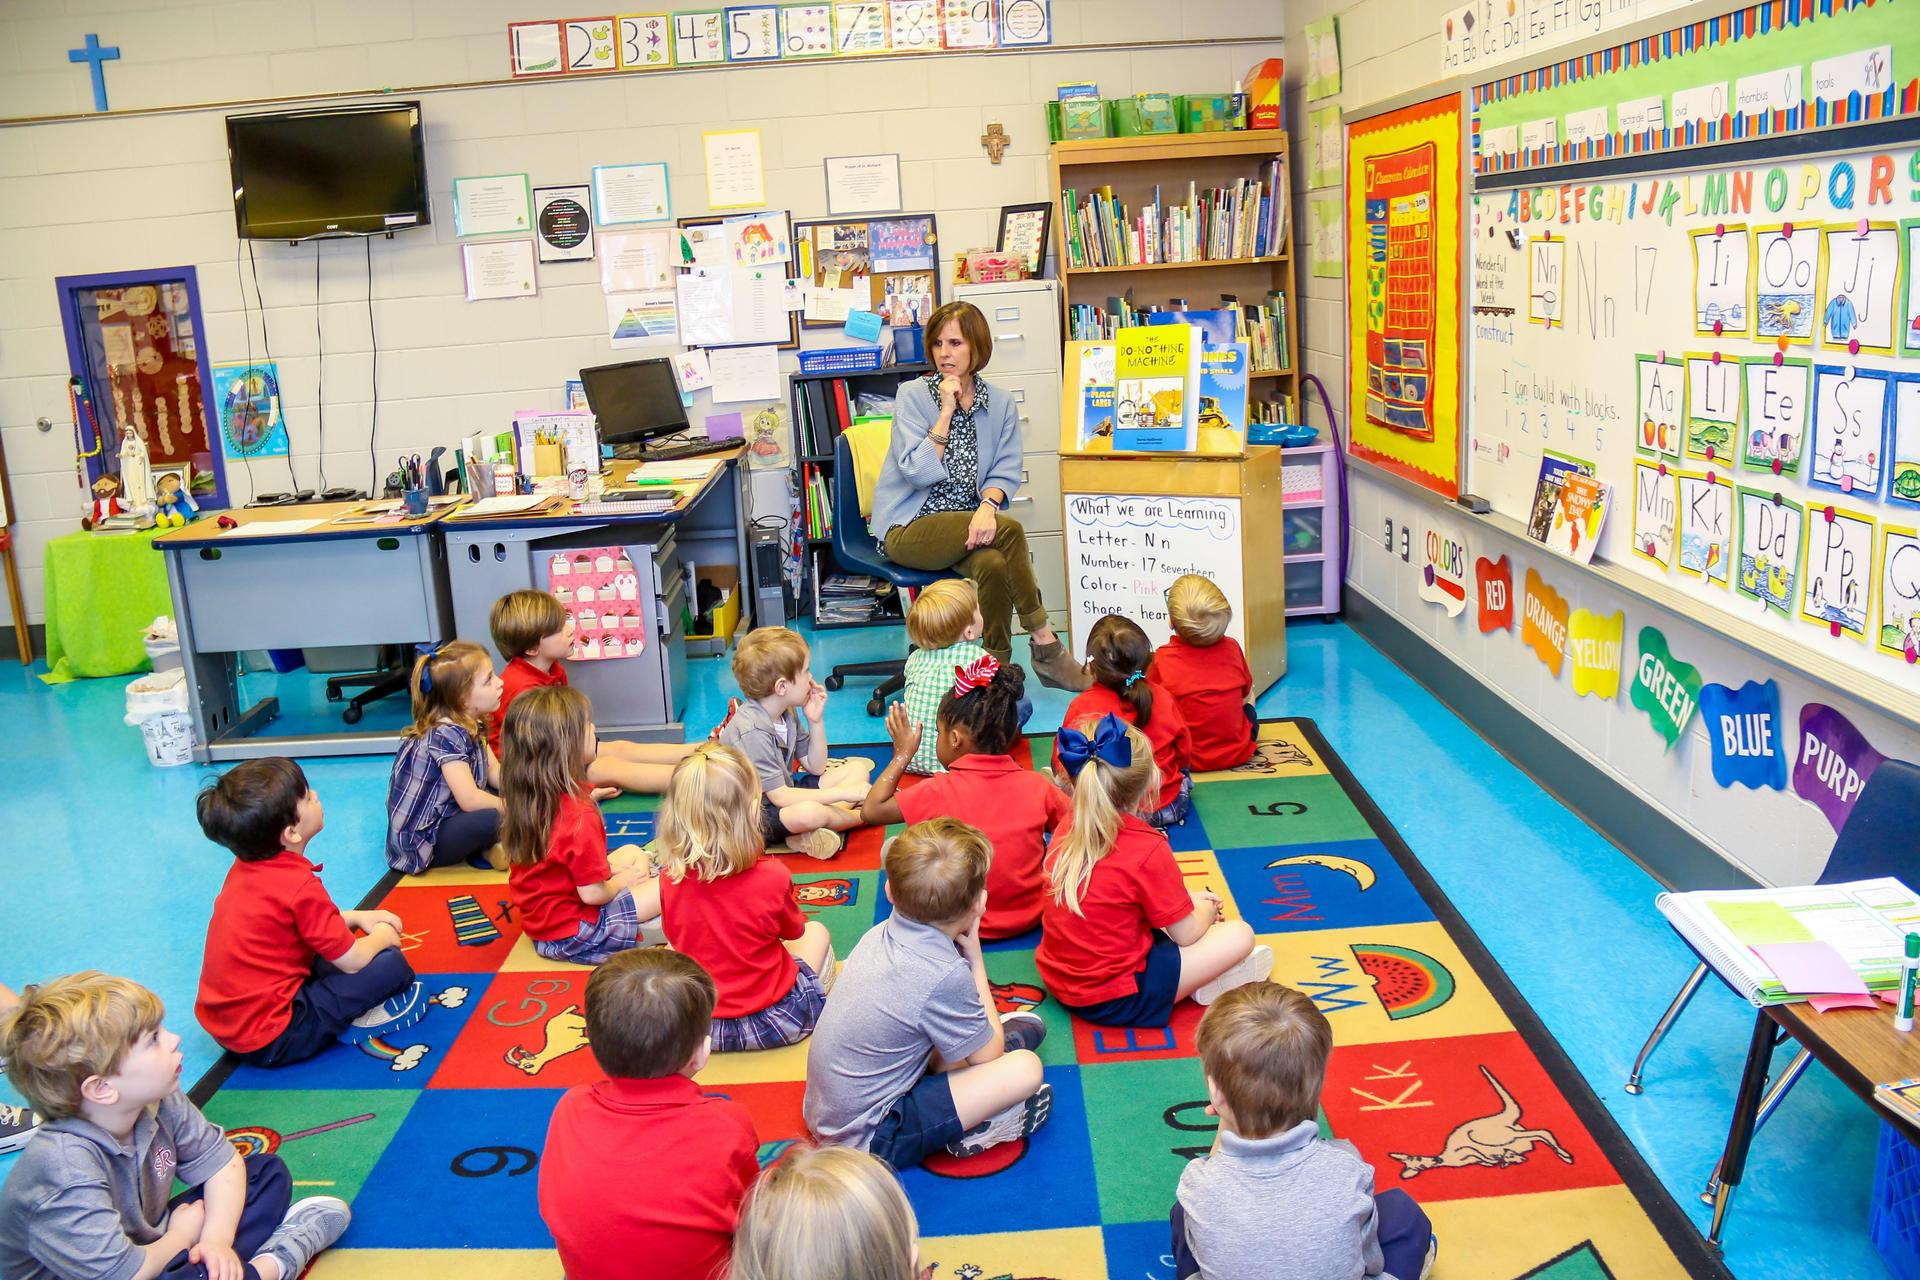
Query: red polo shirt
547	893
519	677
1016	808
1093	956
1166	734
645	1178
1212	685
271	920
733	927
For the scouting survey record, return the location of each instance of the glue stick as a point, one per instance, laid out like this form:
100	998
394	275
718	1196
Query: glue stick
1909	973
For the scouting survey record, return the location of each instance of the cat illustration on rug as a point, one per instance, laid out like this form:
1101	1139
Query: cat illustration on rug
1492	1141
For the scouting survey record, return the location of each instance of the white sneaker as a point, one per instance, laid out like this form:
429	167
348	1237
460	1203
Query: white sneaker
821	844
1257	967
17	1125
309	1227
1017	1121
829	968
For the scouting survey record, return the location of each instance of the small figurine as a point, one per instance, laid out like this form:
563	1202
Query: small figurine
105	504
173	508
136	471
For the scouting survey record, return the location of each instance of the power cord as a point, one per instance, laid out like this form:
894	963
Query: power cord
246	322
320	374
373	335
266	341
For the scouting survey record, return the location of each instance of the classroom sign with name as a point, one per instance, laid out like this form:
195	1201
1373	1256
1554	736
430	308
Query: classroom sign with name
1124	551
1493	587
1664	687
1832	762
1443	574
1743	729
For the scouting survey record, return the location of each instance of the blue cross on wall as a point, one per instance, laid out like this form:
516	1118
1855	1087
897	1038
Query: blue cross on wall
98	57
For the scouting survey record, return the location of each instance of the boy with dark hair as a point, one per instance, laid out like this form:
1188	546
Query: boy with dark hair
911	1054
1274	1198
284	974
647	1126
89	1195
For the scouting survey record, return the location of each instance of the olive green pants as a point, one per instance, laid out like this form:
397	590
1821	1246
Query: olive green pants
1002	571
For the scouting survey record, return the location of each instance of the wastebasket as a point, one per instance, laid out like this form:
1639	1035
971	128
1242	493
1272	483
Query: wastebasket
157	706
163	644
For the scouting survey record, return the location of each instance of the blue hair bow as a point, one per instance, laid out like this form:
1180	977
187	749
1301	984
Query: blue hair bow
427	651
1109	742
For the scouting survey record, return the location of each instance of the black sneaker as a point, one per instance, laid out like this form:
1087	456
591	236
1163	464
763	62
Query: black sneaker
17	1124
1023	1030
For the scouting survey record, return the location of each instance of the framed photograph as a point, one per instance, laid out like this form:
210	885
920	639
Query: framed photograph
1025	229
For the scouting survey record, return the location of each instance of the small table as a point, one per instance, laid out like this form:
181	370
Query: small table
1859	1046
102	589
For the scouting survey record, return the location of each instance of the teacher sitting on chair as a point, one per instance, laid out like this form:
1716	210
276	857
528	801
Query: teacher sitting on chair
952	466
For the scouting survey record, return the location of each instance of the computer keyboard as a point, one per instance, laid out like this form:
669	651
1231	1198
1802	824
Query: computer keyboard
693	449
601	507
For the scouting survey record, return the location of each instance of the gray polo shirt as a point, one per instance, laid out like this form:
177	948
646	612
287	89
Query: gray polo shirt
1289	1204
904	994
80	1203
770	744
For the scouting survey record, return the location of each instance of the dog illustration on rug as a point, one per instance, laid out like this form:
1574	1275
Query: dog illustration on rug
1272	756
566	1031
1492	1141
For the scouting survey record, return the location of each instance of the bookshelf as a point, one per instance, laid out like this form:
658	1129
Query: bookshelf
1133	168
815	400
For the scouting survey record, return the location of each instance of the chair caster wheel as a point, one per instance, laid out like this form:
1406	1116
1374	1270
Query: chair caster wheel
334	695
876	706
351	715
1634	1089
833	683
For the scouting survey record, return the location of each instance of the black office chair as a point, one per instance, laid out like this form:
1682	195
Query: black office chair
856	550
1877	841
389	678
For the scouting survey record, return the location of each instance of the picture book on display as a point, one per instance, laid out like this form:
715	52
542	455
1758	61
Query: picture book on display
1579	511
1554	470
1157	378
1749	936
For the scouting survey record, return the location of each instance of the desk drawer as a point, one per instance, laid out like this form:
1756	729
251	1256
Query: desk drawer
1036	398
1024	321
316	594
1037	505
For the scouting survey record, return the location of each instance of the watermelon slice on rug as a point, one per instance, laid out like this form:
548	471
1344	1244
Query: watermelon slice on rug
1407	983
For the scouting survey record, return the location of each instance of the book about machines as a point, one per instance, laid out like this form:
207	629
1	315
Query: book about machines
1157	381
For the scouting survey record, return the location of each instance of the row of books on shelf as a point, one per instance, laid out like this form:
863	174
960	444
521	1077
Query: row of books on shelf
1262	325
843	598
817	492
1274	411
1245	220
824	409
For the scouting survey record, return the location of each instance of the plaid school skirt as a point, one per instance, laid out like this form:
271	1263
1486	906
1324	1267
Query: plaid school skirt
788	1020
615	929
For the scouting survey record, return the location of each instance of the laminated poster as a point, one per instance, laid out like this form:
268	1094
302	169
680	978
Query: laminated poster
1769	549
563	224
1706	527
645	41
1722	261
1744	729
1664	687
1713	406
1831	763
1786	270
806	31
1858	282
1594	644
601	591
1838	576
1660	386
1903	466
1493	587
1443	573
1849	445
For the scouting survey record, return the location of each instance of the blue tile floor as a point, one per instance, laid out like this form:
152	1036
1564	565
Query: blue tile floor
108	870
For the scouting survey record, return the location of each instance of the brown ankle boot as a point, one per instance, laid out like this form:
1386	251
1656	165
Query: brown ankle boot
1057	669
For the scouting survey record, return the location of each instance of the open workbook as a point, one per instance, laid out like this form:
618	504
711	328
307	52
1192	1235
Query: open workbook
1866	921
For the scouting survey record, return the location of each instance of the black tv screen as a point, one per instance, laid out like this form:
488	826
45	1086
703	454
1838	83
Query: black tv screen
332	171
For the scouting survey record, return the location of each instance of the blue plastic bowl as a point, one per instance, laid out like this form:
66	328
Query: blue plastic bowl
1299	434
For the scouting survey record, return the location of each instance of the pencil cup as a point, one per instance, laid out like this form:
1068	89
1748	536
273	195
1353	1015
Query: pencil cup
416	501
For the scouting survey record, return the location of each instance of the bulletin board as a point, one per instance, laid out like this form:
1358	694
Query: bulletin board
888	265
1404	200
740	247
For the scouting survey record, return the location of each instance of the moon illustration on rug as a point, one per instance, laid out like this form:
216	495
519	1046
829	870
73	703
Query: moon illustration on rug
1362	873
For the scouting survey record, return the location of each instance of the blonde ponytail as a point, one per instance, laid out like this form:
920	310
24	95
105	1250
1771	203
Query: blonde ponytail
1102	795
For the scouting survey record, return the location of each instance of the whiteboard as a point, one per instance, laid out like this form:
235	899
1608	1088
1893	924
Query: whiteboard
1123	552
1752	324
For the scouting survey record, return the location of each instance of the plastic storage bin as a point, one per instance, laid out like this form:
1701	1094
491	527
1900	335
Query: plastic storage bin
1206	113
1894	1219
1144	115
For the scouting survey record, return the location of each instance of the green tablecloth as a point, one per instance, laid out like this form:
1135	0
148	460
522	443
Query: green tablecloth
102	590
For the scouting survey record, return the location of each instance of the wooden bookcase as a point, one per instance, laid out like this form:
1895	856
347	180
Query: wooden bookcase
1133	167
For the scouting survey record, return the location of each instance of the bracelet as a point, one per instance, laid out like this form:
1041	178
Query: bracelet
936	439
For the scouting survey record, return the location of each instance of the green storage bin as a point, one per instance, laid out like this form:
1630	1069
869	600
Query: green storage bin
1078	118
1144	115
1206	113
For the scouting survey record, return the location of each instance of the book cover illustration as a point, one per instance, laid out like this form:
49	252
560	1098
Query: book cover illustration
1156	373
1579	512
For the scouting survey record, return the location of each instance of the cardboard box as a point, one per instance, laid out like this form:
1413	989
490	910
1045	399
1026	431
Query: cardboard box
1262	87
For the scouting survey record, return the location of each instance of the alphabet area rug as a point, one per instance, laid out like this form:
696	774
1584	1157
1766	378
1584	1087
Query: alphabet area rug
1441	1076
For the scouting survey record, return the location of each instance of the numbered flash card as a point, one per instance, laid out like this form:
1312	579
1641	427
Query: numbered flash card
590	45
753	33
806	31
970	24
915	25
698	38
1025	22
646	41
536	49
860	28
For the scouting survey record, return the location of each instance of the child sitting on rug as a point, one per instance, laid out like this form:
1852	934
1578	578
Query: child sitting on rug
1273	1197
975	729
826	1213
1121	937
284	975
92	1194
1118	655
944	627
643	1173
911	1054
806	813
730	907
1206	674
573	902
533	632
441	805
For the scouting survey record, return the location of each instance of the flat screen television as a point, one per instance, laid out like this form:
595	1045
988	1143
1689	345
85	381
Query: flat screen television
330	171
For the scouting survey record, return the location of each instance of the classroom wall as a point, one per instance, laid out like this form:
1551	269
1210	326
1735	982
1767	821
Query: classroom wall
1387	48
120	193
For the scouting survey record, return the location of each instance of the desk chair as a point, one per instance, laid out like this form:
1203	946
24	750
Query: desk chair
1877	841
855	548
389	679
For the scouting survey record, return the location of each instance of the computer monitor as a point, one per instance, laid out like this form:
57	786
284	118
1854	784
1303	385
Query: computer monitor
634	402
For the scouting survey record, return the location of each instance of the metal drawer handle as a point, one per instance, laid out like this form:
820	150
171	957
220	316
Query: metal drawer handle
1006	313
1009	337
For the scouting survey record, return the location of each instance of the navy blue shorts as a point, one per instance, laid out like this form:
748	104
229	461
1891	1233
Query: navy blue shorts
772	830
1152	1004
918	1125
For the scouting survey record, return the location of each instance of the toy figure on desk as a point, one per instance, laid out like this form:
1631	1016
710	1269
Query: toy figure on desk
105	504
173	507
136	472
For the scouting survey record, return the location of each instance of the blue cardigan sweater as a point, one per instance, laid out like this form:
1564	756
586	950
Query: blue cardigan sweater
911	469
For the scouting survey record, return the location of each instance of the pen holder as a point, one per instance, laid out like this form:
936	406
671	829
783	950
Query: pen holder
416	501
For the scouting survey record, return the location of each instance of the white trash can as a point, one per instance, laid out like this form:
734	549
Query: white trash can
163	644
157	706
